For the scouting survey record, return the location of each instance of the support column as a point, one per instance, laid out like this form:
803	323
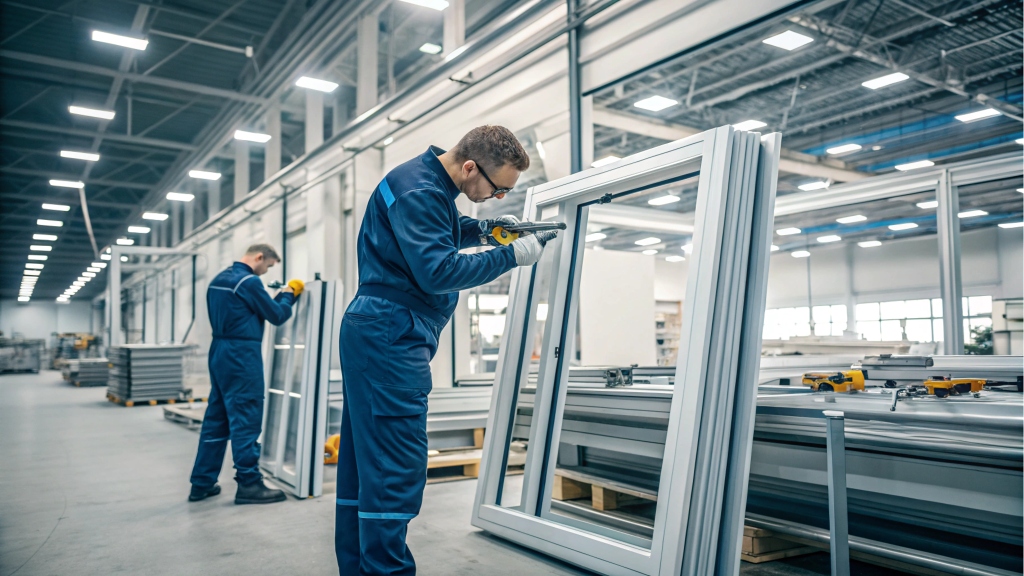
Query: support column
212	198
241	170
190	213
314	120
454	26
949	265
366	63
575	95
272	151
587	127
176	210
323	229
851	293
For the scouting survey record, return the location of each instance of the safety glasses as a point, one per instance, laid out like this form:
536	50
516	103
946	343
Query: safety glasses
498	192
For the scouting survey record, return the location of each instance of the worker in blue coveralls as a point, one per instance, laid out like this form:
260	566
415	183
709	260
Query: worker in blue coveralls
238	304
410	275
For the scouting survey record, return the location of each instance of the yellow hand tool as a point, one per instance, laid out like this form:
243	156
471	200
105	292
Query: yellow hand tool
835	381
941	386
297	285
505	235
331	448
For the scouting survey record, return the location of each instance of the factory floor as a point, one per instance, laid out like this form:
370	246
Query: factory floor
90	487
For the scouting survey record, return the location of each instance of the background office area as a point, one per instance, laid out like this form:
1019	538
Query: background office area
774	210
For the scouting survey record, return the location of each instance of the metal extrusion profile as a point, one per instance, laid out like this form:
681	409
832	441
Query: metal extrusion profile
708	427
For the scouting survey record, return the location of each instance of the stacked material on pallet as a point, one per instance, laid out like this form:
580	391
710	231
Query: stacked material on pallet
145	372
91	372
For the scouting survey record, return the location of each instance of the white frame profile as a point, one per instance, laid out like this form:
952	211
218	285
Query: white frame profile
735	198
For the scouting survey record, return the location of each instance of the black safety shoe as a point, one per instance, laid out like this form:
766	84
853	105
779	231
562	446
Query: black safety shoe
199	493
258	493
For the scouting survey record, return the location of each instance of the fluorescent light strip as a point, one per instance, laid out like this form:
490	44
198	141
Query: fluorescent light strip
87	156
138	229
99	264
649	241
119	40
979	115
844	148
928	205
67	184
649	252
54	223
605	161
748	125
851	219
595	237
91	112
154	216
800	254
125	242
663	200
57	207
92	269
819	185
655	103
788	40
40	257
674	258
915	165
180	196
787	231
34	266
315	84
828	239
1012	225
204	175
429	48
884	81
252	136
972	213
903	226
438	5
40	248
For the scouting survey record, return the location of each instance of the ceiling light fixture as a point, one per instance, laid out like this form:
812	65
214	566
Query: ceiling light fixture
87	156
649	252
24	299
99	264
92	112
674	258
649	241
883	81
54	223
972	213
775	248
252	136
844	148
31	272
180	196
605	161
57	207
119	40
124	258
125	241
429	48
138	229
655	103
828	239
787	231
93	269
104	256
89	274
388	140
438	5
38	248
44	237
819	185
788	40
67	184
915	165
662	200
315	84
41	257
1012	225
34	266
928	205
800	254
903	226
979	115
748	125
595	237
154	216
851	219
204	175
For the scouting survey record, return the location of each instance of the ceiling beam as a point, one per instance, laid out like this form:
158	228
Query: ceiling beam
92	181
139	140
82	68
98	203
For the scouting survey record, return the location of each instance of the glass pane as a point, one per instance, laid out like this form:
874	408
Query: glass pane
918	309
893	310
294	398
867	311
870	330
936	307
919	330
980	305
891	330
608	467
937	330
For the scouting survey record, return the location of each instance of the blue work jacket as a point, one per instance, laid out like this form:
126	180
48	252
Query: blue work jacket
238	304
410	239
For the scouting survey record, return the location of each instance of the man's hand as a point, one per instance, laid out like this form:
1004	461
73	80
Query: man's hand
486	226
528	249
288	289
297	286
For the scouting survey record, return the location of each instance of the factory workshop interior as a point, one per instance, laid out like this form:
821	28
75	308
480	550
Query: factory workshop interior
843	396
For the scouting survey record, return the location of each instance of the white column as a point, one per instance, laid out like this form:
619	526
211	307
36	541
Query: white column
272	151
454	25
241	170
314	120
175	221
366	63
948	221
323	228
587	123
212	198
190	212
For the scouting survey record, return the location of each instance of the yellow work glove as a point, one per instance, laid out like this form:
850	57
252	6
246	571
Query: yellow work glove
296	285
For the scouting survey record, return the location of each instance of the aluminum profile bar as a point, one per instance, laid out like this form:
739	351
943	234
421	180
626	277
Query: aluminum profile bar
950	284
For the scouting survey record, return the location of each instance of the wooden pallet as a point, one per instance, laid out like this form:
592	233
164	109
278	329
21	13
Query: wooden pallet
603	494
761	545
81	385
467	460
130	403
182	413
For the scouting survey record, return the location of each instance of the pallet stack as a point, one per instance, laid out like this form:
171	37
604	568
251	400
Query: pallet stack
145	372
91	372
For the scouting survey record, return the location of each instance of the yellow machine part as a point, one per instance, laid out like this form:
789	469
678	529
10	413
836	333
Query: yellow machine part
948	386
835	381
504	237
331	449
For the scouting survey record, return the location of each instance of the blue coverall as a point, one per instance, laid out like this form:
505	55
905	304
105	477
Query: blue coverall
237	304
410	274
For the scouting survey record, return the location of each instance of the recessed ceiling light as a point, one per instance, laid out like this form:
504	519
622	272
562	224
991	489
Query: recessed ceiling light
67	184
93	269
775	248
138	229
124	258
1021	190
78	283
649	252
972	213
44	237
204	175
180	196
915	165
89	274
979	115
34	265
748	125
31	272
1020	141
1012	225
662	200
851	219
125	241
438	5
787	231
605	161
819	185
595	237
315	84
40	248
788	40
649	241
92	112
104	256
37	257
688	248
24	299
154	216
119	40
829	238
655	103
430	48
884	81
54	223
843	149
252	136
800	254
388	140
928	205
57	207
903	226
87	156
99	264
674	258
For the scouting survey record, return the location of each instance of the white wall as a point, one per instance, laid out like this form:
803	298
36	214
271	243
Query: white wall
40	319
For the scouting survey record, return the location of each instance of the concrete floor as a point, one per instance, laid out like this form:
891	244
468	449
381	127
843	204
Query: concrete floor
90	487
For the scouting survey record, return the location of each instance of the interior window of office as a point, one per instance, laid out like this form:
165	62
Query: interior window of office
991	219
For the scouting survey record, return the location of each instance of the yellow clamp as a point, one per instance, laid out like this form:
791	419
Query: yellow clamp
297	285
331	448
504	237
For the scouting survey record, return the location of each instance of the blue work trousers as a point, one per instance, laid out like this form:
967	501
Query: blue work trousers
386	350
234	412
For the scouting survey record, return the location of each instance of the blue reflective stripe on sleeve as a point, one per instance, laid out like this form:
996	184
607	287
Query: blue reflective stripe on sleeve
386	516
385	191
348	502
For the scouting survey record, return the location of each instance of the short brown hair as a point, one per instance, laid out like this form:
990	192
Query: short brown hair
493	146
266	249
